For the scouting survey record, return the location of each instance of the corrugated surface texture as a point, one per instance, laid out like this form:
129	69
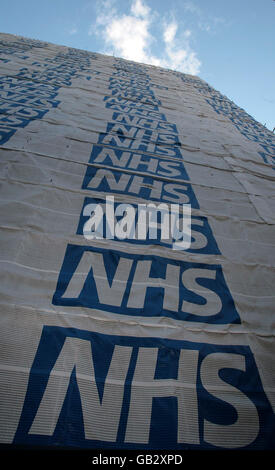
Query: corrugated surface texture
128	343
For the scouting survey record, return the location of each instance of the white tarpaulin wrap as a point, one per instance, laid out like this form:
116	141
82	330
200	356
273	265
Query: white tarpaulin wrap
129	343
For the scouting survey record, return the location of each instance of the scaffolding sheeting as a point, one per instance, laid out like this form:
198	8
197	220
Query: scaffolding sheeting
129	343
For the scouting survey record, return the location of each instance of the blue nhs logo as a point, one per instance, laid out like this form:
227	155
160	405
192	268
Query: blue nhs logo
94	390
144	285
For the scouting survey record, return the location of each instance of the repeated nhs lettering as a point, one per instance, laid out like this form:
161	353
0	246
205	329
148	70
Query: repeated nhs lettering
147	140
31	93
246	124
146	392
150	286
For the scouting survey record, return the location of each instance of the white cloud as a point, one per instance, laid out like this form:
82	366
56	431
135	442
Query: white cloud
170	32
183	60
178	54
130	37
105	12
139	8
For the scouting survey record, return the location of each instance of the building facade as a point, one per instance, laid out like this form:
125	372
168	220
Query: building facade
111	338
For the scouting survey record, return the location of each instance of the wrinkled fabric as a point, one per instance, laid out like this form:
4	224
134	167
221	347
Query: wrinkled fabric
110	343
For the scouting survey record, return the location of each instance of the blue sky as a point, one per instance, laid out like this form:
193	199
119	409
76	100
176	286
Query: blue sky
228	43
